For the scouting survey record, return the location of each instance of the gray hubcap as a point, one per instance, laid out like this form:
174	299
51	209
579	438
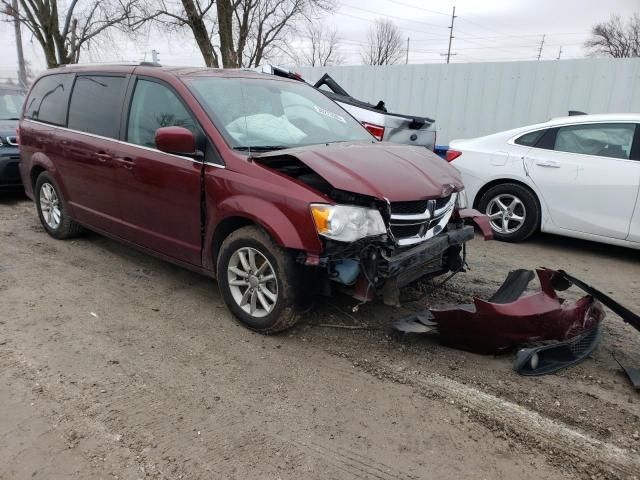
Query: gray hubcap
252	282
50	206
506	213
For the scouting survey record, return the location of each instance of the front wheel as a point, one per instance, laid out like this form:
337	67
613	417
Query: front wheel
513	211
259	281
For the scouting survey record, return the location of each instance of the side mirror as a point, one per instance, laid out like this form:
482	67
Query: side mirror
176	140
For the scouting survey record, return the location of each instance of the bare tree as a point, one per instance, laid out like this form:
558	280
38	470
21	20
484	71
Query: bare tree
64	33
614	38
241	33
385	45
192	14
323	47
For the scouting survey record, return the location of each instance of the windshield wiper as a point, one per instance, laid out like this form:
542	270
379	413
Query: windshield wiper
10	118
261	148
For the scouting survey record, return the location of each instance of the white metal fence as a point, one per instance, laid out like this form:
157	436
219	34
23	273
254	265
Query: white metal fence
473	99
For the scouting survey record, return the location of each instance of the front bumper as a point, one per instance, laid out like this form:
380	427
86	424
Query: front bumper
9	167
383	269
408	265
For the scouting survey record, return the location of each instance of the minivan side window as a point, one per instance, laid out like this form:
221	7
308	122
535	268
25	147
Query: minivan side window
602	139
96	104
154	106
49	99
530	139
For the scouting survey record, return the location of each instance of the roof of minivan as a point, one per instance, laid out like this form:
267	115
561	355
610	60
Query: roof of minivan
150	69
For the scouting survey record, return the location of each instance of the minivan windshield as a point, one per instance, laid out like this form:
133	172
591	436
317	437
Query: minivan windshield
11	104
266	114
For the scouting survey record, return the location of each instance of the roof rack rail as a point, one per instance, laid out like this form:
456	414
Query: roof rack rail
105	64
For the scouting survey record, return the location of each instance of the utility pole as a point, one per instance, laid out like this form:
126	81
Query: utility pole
406	60
22	70
154	56
541	45
559	53
453	17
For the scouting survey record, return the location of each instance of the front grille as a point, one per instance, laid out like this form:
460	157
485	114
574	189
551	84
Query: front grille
409	208
11	171
403	231
442	202
417	221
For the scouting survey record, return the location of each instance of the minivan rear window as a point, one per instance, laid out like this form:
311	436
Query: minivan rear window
96	103
49	98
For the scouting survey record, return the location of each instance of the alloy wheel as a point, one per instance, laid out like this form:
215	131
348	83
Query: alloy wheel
252	282
50	206
506	213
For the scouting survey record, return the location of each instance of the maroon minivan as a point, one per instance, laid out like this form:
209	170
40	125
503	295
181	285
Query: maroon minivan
261	182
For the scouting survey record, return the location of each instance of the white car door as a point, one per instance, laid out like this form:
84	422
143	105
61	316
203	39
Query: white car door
584	173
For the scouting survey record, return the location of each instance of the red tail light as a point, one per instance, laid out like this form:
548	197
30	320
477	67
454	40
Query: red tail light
452	155
375	130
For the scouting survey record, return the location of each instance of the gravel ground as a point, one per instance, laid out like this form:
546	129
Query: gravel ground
117	365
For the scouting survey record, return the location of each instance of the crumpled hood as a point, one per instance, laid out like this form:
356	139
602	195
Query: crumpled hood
381	170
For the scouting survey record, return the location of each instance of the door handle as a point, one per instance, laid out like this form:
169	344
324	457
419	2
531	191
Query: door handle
548	164
125	162
103	156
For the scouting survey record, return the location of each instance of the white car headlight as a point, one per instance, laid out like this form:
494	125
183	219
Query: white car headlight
461	200
346	223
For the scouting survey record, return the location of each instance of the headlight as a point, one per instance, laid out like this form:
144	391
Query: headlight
346	223
461	200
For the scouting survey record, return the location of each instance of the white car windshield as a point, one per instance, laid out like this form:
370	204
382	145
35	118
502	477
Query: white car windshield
271	114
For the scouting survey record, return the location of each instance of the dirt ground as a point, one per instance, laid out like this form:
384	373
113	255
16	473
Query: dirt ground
114	364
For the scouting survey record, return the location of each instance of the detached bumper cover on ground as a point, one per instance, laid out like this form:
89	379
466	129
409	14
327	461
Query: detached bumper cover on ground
509	318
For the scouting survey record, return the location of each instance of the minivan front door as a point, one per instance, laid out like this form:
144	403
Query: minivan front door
159	193
586	178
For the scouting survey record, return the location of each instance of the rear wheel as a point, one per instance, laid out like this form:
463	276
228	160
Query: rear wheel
52	209
513	211
259	281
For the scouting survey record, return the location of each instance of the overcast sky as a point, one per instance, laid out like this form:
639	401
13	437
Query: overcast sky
484	30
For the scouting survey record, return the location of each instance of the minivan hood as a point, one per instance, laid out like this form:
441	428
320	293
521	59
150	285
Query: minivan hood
382	170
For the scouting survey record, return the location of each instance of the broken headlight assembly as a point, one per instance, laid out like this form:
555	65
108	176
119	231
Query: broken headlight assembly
347	223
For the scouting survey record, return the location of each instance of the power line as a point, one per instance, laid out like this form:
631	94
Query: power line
382	14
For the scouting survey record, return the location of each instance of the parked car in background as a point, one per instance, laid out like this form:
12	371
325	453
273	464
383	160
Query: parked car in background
577	176
385	126
11	100
259	181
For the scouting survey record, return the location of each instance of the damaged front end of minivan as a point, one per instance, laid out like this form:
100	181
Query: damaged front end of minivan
372	244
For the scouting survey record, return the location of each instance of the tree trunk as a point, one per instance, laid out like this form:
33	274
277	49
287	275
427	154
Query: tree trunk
225	32
200	34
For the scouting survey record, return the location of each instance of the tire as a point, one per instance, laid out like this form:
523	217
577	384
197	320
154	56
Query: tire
525	206
289	284
52	209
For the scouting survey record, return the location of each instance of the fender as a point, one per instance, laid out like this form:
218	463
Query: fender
270	216
39	159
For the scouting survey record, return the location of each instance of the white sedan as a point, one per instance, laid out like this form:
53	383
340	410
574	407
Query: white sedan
577	176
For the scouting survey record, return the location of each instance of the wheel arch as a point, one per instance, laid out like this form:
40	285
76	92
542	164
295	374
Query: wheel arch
501	181
225	228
